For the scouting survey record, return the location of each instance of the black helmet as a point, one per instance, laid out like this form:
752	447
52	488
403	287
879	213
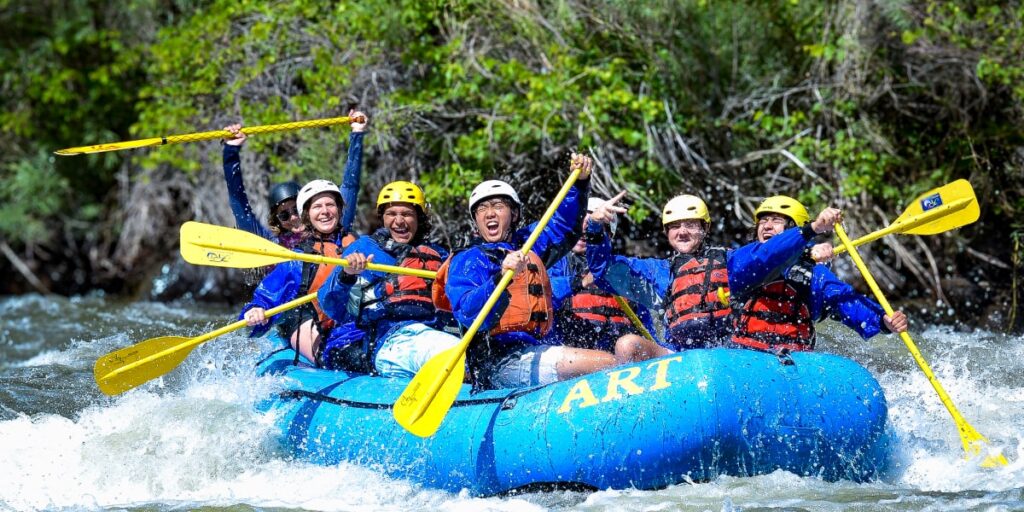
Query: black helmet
282	192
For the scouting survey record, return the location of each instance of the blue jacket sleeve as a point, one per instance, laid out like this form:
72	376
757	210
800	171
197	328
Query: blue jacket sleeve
472	278
351	178
564	228
642	280
240	207
756	263
838	300
281	285
561	282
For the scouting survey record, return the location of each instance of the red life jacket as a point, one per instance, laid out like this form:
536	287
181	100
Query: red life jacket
529	310
400	297
693	293
778	316
598	307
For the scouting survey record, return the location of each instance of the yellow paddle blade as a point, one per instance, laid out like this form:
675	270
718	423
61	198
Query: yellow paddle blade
946	194
112	146
206	244
121	370
449	367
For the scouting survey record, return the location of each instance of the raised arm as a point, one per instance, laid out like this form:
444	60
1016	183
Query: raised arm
353	170
244	217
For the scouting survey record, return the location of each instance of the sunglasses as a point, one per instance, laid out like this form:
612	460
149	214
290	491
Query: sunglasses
284	215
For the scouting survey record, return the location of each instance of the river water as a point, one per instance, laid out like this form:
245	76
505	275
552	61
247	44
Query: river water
193	438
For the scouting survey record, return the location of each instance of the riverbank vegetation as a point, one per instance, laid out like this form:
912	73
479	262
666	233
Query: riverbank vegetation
855	103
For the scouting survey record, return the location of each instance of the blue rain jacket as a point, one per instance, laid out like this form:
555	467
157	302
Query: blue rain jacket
472	276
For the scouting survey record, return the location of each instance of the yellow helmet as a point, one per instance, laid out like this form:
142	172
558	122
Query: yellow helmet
783	205
401	192
685	207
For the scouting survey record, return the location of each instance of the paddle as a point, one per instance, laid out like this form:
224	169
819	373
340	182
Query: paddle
970	437
427	399
132	366
633	318
201	136
218	246
950	206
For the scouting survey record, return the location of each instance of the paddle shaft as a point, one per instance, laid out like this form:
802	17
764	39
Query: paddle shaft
312	258
506	278
201	136
633	318
903	227
208	336
969	437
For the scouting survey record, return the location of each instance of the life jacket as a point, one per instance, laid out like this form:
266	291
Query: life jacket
314	275
592	317
529	310
692	297
395	296
778	316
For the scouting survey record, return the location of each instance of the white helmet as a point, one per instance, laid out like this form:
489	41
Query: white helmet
313	188
594	203
492	188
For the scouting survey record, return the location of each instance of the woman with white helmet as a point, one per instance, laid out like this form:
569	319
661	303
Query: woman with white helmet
588	314
285	225
403	329
778	314
307	326
517	348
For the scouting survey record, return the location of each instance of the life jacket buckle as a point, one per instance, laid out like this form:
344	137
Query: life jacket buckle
784	357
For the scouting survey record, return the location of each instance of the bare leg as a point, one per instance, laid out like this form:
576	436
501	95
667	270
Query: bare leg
306	339
631	348
581	361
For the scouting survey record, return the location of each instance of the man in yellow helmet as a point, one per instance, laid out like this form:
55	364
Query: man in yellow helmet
779	290
684	287
403	329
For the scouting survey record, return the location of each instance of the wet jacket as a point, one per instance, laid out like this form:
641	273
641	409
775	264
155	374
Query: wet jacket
284	283
473	275
589	317
343	296
826	295
242	209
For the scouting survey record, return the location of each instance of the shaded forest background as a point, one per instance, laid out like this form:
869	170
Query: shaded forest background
860	104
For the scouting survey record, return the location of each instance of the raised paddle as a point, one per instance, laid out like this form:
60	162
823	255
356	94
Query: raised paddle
971	439
218	246
201	136
142	362
427	399
948	207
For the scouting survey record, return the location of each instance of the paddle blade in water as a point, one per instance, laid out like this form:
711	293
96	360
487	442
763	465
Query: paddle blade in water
434	405
946	194
129	367
216	246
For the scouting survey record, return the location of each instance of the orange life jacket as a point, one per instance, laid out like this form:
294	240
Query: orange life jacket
529	310
315	275
778	316
695	282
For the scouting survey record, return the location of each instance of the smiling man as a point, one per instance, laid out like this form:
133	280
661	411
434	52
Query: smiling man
780	292
402	326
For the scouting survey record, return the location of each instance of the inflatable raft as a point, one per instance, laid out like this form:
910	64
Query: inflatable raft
688	416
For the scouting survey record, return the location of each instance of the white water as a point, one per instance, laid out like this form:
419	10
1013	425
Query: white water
194	438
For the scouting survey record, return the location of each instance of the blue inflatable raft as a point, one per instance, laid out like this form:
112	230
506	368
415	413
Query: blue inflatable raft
693	415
